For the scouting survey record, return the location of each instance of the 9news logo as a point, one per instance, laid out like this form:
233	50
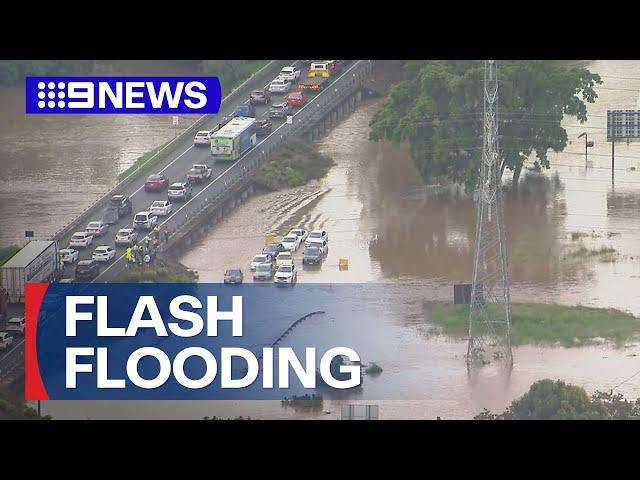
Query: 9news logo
126	95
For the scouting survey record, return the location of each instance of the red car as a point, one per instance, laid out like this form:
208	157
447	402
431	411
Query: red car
156	183
297	99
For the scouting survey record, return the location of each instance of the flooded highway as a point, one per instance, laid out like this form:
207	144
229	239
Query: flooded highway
419	240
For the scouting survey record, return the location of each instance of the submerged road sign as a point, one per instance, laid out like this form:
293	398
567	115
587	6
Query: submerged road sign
623	125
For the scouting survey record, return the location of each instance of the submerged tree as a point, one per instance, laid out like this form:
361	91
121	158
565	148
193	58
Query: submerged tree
439	109
549	400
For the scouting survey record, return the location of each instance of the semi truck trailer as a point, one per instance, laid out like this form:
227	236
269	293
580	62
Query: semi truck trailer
36	262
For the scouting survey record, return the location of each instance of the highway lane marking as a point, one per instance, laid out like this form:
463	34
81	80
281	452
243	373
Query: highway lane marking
12	350
174	161
223	173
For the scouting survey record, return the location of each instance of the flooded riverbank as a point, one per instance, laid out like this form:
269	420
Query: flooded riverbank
52	168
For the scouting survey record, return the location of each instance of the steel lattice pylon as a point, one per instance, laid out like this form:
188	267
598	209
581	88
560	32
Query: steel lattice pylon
490	311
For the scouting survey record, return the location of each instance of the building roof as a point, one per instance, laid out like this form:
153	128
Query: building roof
25	256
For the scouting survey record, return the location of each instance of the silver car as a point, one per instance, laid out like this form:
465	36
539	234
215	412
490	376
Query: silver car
264	271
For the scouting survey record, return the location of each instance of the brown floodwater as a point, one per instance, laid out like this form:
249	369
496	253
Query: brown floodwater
419	239
52	167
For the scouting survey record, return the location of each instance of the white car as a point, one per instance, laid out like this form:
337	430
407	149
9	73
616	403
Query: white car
300	232
290	73
179	191
280	85
203	137
323	245
126	236
258	259
146	220
291	242
104	253
81	239
318	235
5	340
161	208
16	324
286	274
97	228
68	255
284	258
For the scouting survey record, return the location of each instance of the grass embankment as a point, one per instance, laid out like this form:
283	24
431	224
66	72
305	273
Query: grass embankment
231	78
294	164
145	162
161	271
7	252
543	324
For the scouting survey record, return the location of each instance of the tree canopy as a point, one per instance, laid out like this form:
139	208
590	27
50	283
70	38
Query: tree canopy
549	400
439	106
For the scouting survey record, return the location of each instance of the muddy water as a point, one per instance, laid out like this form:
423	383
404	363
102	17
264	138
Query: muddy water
392	228
53	166
419	239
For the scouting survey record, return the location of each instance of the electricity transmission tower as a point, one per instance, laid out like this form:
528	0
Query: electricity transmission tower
490	311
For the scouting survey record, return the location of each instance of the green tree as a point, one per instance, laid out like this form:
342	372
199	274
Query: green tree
438	109
549	400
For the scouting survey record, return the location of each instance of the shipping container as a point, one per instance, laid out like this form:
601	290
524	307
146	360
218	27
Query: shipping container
36	262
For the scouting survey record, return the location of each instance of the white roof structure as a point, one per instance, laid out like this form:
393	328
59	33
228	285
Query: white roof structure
28	254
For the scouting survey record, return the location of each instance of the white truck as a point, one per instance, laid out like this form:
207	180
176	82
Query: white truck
199	173
36	262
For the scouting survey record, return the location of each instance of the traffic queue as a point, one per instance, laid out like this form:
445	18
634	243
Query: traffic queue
132	236
275	263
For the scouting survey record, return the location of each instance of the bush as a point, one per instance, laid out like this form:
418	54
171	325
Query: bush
294	164
549	400
373	369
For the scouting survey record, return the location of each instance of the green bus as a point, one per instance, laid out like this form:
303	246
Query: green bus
234	139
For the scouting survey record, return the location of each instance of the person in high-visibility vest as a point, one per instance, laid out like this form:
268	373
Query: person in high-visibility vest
129	254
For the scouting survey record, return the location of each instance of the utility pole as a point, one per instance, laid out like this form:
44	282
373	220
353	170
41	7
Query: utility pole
613	162
490	310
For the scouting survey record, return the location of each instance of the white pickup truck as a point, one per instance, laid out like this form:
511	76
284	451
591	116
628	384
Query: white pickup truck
199	173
